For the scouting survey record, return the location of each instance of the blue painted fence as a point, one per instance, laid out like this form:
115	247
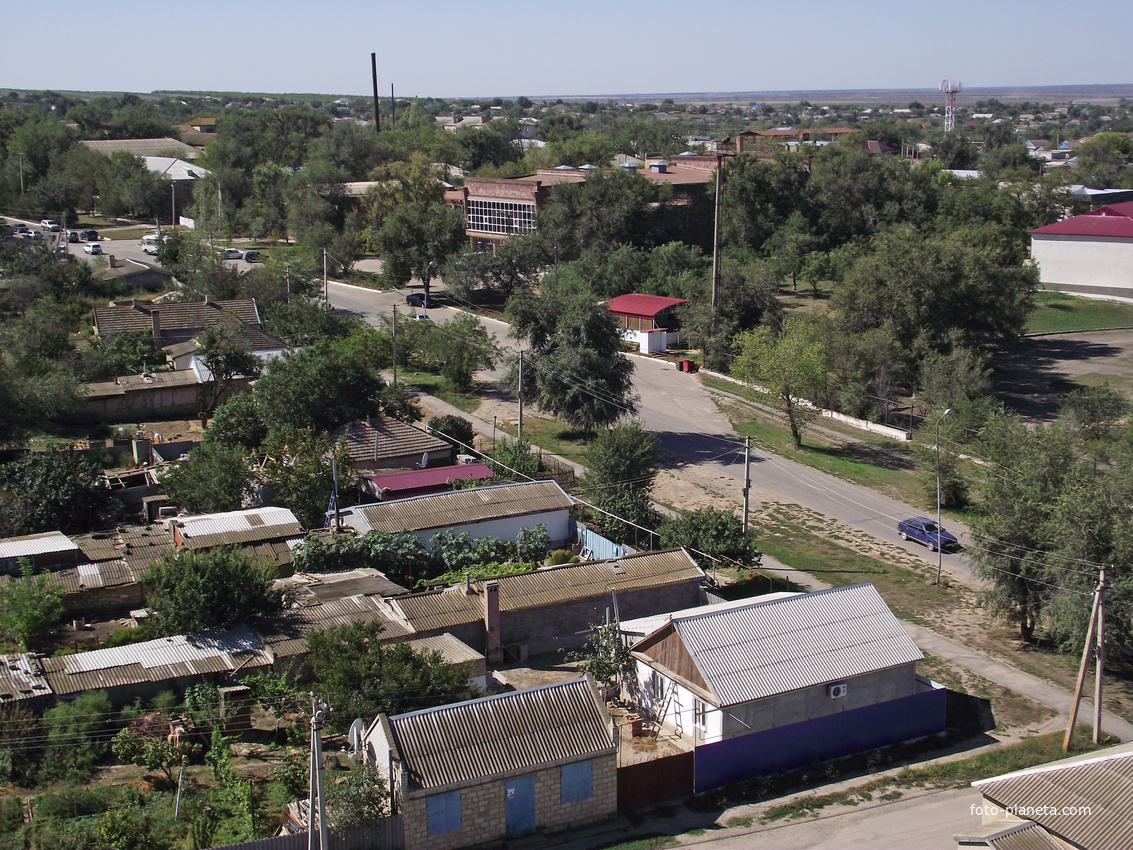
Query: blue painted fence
599	545
821	739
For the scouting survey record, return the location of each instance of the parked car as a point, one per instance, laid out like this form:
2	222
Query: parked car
924	530
230	254
30	234
92	248
88	235
72	236
252	257
414	299
48	224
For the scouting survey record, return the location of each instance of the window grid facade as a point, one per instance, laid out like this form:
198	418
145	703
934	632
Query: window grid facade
503	217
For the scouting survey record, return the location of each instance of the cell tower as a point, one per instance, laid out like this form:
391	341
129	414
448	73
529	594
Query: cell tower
950	90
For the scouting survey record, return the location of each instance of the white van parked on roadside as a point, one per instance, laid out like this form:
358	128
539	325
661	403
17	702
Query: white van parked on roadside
151	242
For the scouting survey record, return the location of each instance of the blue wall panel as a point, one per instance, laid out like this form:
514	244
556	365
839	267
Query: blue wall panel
833	736
599	545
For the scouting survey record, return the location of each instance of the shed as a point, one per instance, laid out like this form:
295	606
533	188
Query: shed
383	442
22	682
422	482
645	319
46	551
269	532
499	767
778	683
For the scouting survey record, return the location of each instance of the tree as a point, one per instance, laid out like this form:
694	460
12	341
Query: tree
215	588
150	751
605	656
216	477
453	429
50	491
76	736
418	239
792	366
575	369
363	797
716	533
361	676
956	152
225	359
300	475
1094	412
621	467
29	606
462	348
237	422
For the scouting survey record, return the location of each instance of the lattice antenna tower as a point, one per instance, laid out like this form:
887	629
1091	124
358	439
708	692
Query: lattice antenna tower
950	90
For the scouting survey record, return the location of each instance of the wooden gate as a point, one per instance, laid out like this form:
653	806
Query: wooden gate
653	782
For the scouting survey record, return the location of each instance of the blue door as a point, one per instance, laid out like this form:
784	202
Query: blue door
520	808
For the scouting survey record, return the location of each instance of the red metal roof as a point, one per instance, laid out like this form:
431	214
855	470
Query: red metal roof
1115	220
431	477
645	306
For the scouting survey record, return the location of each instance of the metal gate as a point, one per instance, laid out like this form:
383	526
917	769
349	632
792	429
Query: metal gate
520	806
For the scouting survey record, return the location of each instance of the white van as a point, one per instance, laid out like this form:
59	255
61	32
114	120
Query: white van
151	242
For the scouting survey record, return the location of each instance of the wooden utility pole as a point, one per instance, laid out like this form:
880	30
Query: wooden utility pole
747	478
1082	669
392	108
1100	670
716	237
377	111
395	343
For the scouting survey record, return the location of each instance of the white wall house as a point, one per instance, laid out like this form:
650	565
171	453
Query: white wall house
1090	253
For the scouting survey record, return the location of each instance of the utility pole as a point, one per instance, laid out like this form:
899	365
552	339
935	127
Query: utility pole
326	289
316	797
747	478
716	237
395	344
21	156
1082	669
377	112
519	433
334	473
392	108
1100	651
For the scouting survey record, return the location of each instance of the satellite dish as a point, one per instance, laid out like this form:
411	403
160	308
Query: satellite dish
424	459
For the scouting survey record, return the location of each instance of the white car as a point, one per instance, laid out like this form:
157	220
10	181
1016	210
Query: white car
92	248
231	254
48	224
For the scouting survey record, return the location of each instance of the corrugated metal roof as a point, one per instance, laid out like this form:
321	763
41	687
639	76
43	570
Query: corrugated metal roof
21	678
28	545
782	645
448	510
174	315
638	304
286	632
469	741
1008	835
101	546
435	610
132	383
384	437
248	526
1103	784
434	476
643	626
92	576
142	147
454	651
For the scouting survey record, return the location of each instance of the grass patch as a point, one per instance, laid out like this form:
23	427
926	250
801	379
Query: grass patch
552	435
652	843
130	234
1057	311
437	386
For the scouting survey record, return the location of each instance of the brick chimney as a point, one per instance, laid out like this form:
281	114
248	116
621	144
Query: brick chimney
494	650
156	328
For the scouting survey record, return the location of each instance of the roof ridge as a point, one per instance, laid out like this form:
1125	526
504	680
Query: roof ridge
1054	767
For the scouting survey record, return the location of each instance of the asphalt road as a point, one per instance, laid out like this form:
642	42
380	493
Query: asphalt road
691	430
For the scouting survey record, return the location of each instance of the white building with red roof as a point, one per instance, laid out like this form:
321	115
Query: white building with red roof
645	319
1090	253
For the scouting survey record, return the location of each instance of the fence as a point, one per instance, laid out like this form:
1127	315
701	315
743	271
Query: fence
651	783
385	834
601	549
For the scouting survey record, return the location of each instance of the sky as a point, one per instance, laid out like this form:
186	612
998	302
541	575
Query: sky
504	49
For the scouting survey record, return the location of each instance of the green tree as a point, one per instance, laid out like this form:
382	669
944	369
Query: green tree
359	799
454	429
792	366
215	588
216	477
29	607
151	752
361	676
605	656
76	734
237	422
225	359
716	533
300	474
50	491
418	239
462	348
620	472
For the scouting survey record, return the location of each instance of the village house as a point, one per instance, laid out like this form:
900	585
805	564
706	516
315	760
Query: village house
1090	253
385	443
539	759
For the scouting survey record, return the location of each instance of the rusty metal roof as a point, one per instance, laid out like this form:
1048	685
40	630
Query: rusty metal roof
21	678
174	315
131	383
468	742
101	546
772	647
86	577
453	650
1103	784
285	633
448	510
384	438
212	651
434	610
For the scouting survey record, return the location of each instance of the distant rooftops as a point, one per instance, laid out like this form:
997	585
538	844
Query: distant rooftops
143	147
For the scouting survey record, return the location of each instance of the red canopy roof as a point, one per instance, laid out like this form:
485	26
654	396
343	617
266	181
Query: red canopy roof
433	476
644	306
1115	220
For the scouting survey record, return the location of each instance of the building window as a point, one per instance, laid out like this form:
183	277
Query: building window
500	217
699	715
577	781
443	812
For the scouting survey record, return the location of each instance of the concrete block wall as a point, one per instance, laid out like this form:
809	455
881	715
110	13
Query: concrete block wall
483	808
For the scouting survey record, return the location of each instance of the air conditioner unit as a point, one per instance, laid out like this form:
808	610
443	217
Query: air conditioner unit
837	690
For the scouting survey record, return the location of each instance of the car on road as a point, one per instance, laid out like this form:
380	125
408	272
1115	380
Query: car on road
48	224
924	530
30	234
92	248
229	254
414	299
88	235
19	227
72	236
253	257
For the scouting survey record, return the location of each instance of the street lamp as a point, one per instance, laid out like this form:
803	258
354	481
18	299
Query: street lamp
939	548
